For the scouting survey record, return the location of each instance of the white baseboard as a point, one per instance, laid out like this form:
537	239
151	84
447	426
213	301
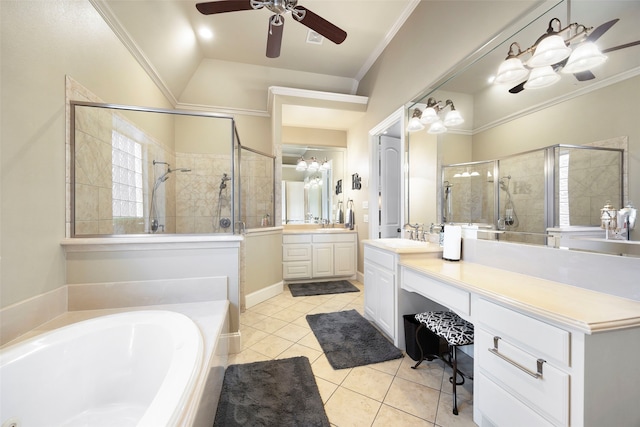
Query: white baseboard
360	277
234	340
263	294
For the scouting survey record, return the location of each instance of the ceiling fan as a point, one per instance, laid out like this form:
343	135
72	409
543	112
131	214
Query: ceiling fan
276	21
592	37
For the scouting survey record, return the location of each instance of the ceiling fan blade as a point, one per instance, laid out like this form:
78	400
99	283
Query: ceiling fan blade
517	89
622	46
222	6
319	24
274	39
599	31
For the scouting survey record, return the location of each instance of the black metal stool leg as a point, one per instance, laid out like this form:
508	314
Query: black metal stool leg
419	346
454	364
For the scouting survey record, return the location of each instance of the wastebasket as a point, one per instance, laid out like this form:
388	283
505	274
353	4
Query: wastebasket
430	342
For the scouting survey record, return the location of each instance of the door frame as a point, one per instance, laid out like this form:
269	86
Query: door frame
400	115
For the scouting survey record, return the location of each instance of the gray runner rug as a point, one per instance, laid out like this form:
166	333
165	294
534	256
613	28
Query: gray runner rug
321	288
279	392
349	340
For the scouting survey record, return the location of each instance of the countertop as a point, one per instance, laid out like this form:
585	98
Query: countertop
404	246
338	229
582	309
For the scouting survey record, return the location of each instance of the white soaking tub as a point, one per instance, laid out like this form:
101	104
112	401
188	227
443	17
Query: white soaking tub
129	369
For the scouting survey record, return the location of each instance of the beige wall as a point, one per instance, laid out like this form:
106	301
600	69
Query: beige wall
314	137
432	41
42	41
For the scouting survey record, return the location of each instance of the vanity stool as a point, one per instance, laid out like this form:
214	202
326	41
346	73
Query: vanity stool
456	332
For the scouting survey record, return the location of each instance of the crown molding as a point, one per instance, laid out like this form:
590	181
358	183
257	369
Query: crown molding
560	99
109	17
387	39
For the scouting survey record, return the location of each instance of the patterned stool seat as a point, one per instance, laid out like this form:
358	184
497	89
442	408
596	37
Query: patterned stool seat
448	325
456	332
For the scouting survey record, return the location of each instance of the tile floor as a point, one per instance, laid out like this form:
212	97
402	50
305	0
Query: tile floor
383	394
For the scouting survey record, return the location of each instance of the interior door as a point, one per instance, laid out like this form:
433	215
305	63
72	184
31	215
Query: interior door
389	194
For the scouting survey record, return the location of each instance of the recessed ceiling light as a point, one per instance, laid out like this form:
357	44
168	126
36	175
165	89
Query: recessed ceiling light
314	38
205	33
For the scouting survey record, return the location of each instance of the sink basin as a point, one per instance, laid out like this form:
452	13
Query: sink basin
402	243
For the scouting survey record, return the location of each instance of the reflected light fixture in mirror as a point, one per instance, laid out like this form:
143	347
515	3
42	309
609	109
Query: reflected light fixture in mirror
313	166
430	116
568	50
541	77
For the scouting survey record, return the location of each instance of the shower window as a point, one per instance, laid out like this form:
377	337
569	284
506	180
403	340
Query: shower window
126	171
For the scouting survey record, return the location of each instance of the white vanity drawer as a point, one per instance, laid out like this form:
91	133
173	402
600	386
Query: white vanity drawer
382	258
536	337
296	238
502	409
454	298
547	392
296	270
299	252
339	237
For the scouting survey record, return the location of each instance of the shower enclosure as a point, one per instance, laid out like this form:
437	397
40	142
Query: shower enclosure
524	195
136	170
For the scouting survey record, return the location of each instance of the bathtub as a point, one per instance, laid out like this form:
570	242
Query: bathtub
130	369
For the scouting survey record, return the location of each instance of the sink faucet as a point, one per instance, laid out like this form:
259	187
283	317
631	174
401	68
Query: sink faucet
412	233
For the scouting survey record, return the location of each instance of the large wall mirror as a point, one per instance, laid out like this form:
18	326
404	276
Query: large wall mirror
502	121
313	183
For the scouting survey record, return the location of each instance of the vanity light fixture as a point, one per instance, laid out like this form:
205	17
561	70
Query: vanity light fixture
559	49
415	124
301	165
431	116
314	165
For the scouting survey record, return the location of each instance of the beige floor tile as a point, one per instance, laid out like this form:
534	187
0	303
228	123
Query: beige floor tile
310	340
323	369
303	307
250	336
299	350
413	398
287	315
302	321
291	332
247	356
251	318
266	308
271	346
389	367
369	382
326	388
347	408
270	325
446	418
428	373
389	416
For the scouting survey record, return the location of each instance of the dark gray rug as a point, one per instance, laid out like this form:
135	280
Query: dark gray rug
321	288
349	340
272	393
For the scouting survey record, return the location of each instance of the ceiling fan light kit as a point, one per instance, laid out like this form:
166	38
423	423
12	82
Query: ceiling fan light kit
276	22
570	50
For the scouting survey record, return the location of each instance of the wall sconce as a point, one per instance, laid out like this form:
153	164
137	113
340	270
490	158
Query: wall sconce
553	52
431	116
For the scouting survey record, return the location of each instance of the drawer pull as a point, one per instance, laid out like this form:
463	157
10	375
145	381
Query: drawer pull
495	351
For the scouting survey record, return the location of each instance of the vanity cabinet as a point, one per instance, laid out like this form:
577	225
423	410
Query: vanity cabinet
380	289
318	255
545	353
523	366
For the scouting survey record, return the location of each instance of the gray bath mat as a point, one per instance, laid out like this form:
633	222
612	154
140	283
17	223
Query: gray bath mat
349	340
321	288
272	393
